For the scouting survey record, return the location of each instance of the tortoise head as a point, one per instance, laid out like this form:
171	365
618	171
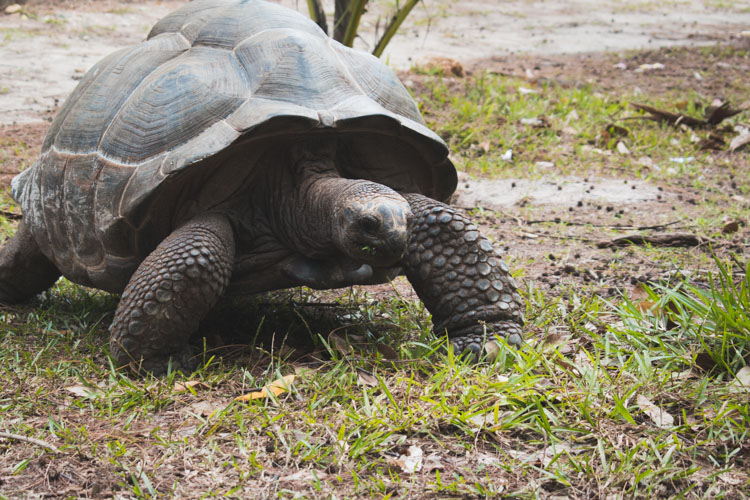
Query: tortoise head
371	223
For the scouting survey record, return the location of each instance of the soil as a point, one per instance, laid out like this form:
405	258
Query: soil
43	55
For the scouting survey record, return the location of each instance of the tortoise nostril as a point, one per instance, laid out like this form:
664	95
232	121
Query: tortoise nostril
369	224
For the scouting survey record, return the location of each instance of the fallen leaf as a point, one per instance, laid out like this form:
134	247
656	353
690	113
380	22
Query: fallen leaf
731	478
666	116
340	344
485	459
731	227
649	67
366	378
739	142
645	161
663	240
409	462
743	376
386	351
485	146
544	456
205	409
190	386
616	130
83	391
540	121
305	475
641	299
713	141
719	111
491	350
571	117
433	462
622	148
482	421
277	387
659	416
446	66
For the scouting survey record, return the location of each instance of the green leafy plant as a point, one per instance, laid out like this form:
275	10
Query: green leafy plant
347	16
717	317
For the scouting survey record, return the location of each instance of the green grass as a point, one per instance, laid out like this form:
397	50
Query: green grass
483	117
574	413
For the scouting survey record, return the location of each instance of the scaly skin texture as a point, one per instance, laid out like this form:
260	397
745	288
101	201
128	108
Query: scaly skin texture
173	288
24	270
458	276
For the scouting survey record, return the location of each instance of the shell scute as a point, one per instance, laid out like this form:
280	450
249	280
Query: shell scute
178	123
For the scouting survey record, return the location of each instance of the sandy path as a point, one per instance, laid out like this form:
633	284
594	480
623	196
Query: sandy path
44	54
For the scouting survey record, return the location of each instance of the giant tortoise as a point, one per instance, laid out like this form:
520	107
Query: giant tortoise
238	150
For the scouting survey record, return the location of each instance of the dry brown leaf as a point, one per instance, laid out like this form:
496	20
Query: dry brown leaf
712	142
642	301
190	386
277	387
446	66
340	344
366	378
386	351
491	350
659	416
731	227
666	116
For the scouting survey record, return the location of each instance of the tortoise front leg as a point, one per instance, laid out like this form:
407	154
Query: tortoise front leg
24	270
170	292
457	275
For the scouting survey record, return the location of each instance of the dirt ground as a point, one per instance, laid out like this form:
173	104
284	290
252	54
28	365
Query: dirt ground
43	55
74	34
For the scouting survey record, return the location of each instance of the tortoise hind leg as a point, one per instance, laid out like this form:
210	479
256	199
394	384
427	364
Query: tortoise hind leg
169	293
24	270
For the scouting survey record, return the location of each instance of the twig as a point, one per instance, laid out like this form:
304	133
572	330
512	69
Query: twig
38	442
609	226
11	215
662	240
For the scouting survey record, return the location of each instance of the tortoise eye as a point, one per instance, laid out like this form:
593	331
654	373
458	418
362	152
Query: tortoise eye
369	224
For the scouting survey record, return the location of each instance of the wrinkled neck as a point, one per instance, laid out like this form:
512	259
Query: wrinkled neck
305	197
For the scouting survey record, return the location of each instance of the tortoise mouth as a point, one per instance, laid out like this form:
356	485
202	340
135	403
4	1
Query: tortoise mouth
375	232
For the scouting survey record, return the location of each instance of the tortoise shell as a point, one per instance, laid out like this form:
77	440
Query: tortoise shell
182	122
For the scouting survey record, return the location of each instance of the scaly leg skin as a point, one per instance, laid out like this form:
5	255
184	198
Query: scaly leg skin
168	295
459	278
24	270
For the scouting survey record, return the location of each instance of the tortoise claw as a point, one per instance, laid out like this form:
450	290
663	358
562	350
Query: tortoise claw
480	345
